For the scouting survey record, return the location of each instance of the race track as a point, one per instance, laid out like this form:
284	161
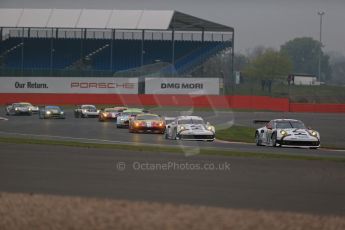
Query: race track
90	130
248	183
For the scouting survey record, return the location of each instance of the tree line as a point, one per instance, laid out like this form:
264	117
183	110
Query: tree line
297	56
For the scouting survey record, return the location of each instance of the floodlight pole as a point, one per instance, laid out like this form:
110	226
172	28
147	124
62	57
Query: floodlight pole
113	33
51	51
173	48
22	61
320	13
142	48
232	61
141	77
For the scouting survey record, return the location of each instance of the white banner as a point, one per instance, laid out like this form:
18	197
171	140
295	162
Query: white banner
199	86
87	85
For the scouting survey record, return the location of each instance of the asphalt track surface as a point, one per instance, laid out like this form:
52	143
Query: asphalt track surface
90	130
247	183
259	184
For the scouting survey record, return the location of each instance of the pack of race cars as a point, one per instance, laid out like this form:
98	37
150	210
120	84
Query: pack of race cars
277	132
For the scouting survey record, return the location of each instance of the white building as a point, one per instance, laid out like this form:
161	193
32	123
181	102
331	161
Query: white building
304	79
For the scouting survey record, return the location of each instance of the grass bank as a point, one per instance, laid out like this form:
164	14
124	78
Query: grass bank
167	149
236	133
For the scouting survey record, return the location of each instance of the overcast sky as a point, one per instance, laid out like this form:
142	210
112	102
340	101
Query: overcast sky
257	22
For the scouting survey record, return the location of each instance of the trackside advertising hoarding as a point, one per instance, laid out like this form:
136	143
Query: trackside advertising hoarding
68	85
198	86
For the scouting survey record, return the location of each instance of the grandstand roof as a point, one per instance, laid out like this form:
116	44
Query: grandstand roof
107	19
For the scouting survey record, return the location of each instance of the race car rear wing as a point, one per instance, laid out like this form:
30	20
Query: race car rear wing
168	120
260	121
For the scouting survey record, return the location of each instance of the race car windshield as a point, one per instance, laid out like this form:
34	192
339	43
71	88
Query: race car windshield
53	107
148	117
190	121
290	125
88	107
110	110
130	113
21	105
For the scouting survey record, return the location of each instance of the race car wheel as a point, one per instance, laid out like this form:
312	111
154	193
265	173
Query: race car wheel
274	140
257	139
76	115
166	135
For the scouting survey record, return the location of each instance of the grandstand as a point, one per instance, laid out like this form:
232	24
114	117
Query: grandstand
113	42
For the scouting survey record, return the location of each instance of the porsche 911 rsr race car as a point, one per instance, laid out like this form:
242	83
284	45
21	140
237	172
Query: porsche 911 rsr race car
51	111
86	111
124	117
108	114
287	132
190	128
21	108
147	123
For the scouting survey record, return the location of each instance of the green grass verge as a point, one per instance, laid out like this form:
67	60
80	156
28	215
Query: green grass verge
164	149
236	133
296	93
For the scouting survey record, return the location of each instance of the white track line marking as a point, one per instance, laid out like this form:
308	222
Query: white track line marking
90	140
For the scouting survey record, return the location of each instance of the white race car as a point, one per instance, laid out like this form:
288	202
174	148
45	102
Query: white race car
21	108
86	111
190	128
287	132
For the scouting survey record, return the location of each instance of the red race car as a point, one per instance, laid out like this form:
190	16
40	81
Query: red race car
152	123
108	114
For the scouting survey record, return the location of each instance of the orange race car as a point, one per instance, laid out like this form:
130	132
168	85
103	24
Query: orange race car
110	113
147	123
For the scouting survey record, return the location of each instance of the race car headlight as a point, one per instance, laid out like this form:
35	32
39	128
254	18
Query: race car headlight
182	128
209	128
84	110
61	112
313	133
283	132
16	109
48	112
